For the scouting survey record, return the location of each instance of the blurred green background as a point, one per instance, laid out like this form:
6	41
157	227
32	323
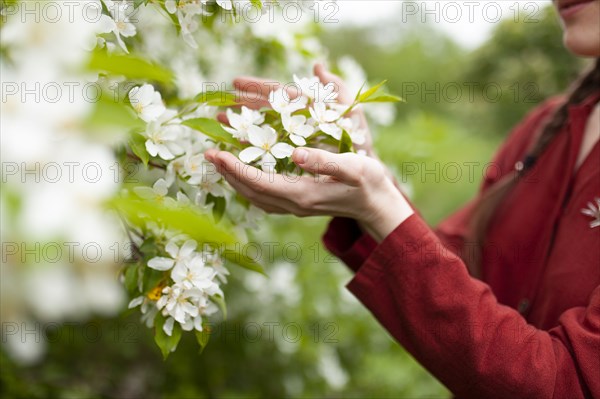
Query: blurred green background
299	333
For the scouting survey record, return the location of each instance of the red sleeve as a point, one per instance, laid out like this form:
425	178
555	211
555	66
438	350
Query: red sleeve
453	325
345	239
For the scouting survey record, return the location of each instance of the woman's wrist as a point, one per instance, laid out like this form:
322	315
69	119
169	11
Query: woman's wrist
387	211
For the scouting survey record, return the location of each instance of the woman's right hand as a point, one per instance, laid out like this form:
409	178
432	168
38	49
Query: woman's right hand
254	93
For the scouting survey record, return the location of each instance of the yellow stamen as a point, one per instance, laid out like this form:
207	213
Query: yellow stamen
155	293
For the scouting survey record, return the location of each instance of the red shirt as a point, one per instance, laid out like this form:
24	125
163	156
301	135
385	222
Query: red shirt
531	328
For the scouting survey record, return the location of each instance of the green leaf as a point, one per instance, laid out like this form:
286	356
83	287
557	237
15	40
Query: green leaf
219	206
151	279
203	336
345	143
360	91
110	113
167	344
385	98
220	302
187	219
131	277
242	260
216	98
137	143
212	129
257	3
131	66
364	96
148	248
137	3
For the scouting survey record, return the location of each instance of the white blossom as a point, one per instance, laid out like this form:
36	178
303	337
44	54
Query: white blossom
193	273
315	90
241	123
118	22
593	211
281	102
157	193
187	12
214	260
297	127
325	119
265	146
178	255
165	136
147	102
352	126
177	302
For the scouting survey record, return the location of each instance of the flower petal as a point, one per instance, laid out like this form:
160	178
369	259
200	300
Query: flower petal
268	163
187	248
305	130
250	154
331	129
161	263
270	135
282	150
172	249
179	272
298	140
257	135
168	326
160	187
135	302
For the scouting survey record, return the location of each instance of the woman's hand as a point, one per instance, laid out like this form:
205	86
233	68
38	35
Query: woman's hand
347	185
254	93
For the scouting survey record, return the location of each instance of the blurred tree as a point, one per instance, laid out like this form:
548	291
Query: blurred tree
528	61
522	63
416	59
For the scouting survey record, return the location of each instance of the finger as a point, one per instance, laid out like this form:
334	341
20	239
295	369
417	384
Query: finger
263	202
260	197
209	155
272	209
346	168
292	196
222	117
324	75
266	184
255	85
251	99
257	89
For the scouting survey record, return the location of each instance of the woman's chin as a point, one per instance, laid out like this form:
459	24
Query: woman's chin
581	43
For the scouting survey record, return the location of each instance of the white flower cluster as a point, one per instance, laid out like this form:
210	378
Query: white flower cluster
182	147
307	115
119	21
177	286
195	278
189	282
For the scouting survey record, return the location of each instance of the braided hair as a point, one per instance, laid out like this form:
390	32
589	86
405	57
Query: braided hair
484	210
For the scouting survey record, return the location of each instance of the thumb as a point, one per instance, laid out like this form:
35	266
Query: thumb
324	75
343	167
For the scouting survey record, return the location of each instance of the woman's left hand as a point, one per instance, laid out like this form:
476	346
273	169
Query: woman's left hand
346	185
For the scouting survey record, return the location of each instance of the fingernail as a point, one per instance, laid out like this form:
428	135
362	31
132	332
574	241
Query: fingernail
300	156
